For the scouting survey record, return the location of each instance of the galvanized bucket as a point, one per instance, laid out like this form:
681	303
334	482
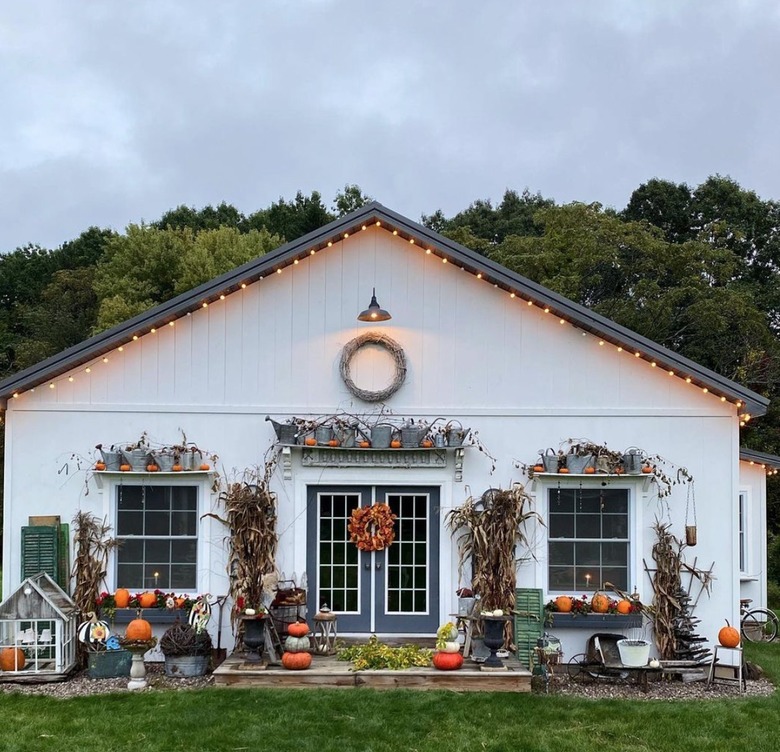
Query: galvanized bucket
550	461
112	460
191	459
345	435
381	436
186	665
576	463
456	433
138	459
323	434
164	460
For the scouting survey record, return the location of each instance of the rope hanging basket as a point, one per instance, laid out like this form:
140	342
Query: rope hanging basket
387	343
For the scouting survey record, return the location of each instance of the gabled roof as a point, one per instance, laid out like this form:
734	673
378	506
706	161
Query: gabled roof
748	402
771	462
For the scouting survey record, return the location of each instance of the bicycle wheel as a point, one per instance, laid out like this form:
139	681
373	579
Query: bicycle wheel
759	625
581	668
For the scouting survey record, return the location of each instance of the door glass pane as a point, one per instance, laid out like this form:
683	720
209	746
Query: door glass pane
407	569
338	570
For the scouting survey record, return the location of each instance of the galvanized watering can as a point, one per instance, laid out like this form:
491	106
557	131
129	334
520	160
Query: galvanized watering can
286	433
412	434
456	433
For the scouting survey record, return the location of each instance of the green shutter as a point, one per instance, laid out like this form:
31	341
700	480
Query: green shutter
64	557
40	551
529	623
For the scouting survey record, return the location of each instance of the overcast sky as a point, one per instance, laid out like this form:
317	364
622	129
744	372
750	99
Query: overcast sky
114	112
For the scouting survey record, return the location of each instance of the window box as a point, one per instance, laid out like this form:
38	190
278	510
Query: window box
608	622
152	615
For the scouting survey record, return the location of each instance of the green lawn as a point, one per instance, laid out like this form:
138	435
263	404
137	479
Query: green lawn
349	719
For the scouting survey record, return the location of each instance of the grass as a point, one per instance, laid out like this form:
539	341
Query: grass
368	721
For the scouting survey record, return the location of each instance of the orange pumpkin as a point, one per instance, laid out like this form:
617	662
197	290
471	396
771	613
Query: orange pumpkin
447	661
205	466
122	597
177	468
624	606
538	468
152	468
125	468
298	629
563	470
365	444
647	469
310	441
426	443
590	470
333	443
180	601
599	603
296	661
728	636
619	470
395	443
12	659
138	630
563	604
147	599
100	466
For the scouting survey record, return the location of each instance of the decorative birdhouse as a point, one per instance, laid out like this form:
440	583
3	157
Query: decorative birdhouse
38	624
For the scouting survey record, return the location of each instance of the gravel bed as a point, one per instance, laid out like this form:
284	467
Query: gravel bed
80	685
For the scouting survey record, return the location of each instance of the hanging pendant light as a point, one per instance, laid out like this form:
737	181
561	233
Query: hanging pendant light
374	312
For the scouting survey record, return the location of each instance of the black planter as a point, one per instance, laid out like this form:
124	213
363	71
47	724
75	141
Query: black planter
254	638
494	639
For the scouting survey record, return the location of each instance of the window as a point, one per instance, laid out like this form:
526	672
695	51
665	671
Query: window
157	527
743	503
588	540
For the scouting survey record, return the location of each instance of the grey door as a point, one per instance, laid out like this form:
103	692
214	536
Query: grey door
390	591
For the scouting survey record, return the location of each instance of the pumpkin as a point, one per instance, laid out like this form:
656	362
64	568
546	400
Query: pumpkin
177	468
333	443
426	443
138	630
152	468
590	470
447	661
205	466
122	597
147	599
619	470
647	469
563	604
538	468
624	606
100	466
365	444
563	470
125	468
296	661
12	659
298	629
728	636
93	630
451	647
297	644
310	441
599	603
395	443
180	601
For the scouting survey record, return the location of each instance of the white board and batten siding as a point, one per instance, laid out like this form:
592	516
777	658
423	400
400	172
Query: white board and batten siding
475	354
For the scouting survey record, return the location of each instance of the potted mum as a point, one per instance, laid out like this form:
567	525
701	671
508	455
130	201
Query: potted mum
186	650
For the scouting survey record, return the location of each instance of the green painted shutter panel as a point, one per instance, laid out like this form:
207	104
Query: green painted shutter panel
529	623
64	557
40	551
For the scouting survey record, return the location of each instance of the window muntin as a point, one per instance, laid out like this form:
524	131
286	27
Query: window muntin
588	539
157	527
743	564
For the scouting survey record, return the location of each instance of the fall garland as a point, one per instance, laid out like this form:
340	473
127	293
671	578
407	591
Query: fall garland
371	528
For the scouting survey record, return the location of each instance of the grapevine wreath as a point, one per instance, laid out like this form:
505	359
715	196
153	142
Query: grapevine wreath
371	528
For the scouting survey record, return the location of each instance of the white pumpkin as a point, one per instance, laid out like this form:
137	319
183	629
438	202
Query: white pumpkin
451	647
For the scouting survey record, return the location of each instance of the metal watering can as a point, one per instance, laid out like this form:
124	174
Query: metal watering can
456	433
412	434
286	433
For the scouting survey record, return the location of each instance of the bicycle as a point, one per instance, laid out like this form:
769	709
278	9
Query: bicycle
757	624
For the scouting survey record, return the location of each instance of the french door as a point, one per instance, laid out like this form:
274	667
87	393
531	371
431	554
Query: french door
391	591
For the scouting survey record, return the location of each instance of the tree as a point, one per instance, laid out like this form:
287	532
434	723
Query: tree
291	220
665	205
350	199
207	218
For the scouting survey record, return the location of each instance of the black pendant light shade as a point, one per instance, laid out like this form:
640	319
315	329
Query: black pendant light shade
374	312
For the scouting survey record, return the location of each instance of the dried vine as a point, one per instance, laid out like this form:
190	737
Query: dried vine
92	547
490	528
387	343
183	639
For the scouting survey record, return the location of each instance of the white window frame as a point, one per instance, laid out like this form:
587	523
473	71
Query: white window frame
631	484
743	530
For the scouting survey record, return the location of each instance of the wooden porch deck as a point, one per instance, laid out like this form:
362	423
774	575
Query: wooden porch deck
326	671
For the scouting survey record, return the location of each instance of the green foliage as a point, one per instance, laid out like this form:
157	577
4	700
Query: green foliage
291	219
376	655
350	199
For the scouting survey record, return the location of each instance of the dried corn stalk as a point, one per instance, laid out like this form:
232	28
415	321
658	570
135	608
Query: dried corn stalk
489	531
92	547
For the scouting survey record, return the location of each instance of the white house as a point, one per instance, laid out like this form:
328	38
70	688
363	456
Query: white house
521	365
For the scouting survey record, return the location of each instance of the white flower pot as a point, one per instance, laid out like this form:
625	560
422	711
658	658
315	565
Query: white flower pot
634	653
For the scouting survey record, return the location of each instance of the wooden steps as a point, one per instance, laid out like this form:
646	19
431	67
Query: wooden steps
326	671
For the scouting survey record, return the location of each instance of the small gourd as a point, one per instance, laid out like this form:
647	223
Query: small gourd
310	441
205	466
152	468
647	469
176	468
447	661
365	444
563	603
728	636
122	597
100	466
426	444
589	470
395	443
333	443
538	468
563	470
12	659
125	468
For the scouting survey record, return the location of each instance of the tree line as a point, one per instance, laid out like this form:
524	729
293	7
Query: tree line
696	269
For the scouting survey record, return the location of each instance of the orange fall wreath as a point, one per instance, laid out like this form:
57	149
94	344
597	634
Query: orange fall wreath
371	528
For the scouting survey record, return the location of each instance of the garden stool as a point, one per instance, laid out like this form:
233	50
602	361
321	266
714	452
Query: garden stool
325	633
739	670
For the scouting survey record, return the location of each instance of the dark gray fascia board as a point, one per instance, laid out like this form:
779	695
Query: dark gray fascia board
576	314
760	458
